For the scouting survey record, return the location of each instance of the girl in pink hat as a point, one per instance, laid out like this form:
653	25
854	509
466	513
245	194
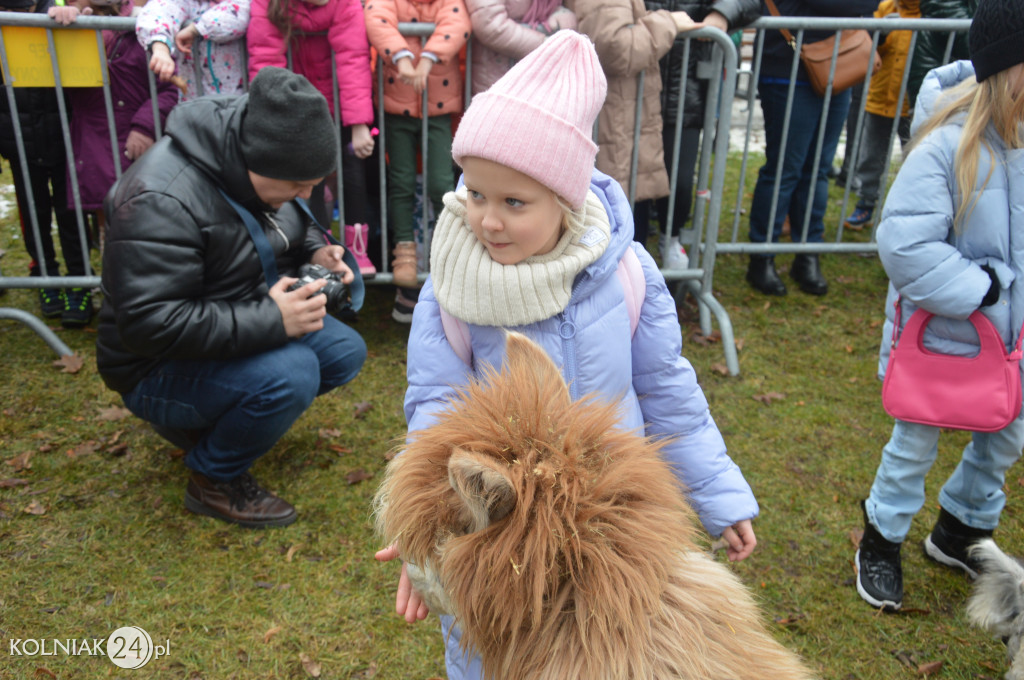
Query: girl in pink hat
532	241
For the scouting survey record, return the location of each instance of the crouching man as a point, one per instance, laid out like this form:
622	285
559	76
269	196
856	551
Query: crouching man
194	332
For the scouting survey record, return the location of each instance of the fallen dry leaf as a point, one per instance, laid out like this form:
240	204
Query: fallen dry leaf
721	369
291	552
311	667
855	536
22	461
12	482
357	476
266	585
117	449
930	668
768	397
271	633
113	413
69	363
43	671
35	508
361	409
325	433
83	449
243	657
340	450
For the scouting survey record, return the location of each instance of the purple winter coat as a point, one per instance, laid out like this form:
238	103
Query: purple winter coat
90	135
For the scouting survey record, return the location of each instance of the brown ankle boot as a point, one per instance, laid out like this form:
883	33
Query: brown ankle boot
403	267
241	501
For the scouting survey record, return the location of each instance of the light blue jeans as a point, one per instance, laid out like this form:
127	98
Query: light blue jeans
973	493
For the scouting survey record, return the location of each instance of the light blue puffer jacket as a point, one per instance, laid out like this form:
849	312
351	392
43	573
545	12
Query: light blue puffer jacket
590	341
930	265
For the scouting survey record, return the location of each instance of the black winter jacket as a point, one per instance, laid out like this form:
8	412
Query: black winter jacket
930	47
181	276
777	57
39	117
739	13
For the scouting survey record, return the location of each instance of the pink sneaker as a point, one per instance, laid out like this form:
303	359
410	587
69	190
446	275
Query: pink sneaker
355	242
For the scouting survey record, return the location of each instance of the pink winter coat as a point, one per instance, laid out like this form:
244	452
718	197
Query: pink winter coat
341	28
444	85
500	38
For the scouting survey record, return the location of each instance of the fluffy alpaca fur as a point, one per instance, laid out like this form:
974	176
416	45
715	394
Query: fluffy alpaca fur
563	545
997	601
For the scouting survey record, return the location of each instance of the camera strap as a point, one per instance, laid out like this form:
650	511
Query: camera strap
356	289
259	239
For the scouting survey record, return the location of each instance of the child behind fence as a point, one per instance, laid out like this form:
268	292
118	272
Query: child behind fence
533	242
203	39
409	67
46	190
312	29
96	162
949	241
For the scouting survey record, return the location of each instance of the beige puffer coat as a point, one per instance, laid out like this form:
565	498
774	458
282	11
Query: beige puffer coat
629	39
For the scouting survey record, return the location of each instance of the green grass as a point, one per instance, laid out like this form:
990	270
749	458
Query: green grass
114	546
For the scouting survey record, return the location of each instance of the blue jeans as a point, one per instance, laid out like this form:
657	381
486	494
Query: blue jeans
245	405
973	493
795	181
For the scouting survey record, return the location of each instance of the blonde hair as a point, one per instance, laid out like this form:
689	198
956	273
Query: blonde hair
573	220
991	102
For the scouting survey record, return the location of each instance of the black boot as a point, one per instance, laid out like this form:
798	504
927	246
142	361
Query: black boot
761	275
879	570
949	541
806	271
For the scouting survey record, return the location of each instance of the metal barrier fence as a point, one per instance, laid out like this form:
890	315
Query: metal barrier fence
702	238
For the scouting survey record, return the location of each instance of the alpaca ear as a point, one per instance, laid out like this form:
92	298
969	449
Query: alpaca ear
524	356
484	486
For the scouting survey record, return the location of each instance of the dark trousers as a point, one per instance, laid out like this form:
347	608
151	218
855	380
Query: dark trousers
245	405
48	194
795	180
402	138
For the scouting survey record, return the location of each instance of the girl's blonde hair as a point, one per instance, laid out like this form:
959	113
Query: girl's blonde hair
990	102
573	220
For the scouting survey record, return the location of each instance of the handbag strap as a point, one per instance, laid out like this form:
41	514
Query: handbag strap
1018	348
785	32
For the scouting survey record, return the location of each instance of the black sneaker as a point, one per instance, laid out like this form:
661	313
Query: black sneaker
78	310
51	302
879	571
949	541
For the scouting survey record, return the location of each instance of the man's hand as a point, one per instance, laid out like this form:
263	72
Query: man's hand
684	23
740	540
185	37
362	141
408	602
329	257
717	20
419	80
161	62
301	309
137	144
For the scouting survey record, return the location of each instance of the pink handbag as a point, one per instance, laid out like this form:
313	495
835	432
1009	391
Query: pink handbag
980	393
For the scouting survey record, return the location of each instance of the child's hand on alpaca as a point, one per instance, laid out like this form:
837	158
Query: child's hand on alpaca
161	62
422	71
67	15
740	540
362	141
137	144
185	37
406	71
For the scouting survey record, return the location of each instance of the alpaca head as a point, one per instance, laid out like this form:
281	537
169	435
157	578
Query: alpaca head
524	511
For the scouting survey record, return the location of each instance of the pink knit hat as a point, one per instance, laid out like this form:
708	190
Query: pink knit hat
539	117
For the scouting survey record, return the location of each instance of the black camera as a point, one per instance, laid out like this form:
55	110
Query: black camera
338	297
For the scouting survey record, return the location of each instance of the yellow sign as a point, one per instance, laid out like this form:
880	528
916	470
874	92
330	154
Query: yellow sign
28	56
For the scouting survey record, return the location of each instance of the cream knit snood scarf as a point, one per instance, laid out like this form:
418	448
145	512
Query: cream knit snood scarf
471	286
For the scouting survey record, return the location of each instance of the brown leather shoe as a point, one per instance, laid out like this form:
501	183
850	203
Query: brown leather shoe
241	501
